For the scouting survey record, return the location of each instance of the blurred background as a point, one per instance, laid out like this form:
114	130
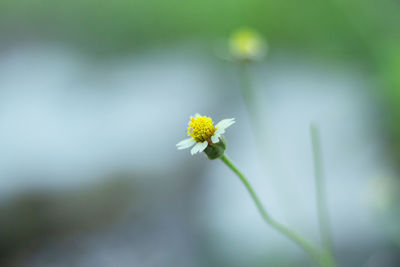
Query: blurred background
94	95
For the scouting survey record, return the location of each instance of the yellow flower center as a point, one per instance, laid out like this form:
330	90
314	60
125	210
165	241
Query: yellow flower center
201	128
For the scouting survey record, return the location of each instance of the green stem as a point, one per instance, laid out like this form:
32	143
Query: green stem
323	217
247	88
266	149
303	243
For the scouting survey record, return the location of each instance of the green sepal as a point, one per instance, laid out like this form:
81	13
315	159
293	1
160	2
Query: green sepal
214	151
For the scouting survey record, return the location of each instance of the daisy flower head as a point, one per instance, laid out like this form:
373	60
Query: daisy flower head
204	136
246	44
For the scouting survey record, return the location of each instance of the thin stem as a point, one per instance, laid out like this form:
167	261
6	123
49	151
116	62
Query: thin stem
321	200
266	149
247	88
303	243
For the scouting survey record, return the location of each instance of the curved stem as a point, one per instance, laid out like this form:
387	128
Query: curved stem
321	200
303	243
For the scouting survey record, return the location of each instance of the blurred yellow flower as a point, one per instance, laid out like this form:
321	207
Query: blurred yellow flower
247	44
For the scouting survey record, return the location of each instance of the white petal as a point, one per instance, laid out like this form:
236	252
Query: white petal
219	131
225	123
203	146
196	148
215	138
186	143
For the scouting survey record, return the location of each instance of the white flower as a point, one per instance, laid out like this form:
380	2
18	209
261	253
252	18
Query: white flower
202	133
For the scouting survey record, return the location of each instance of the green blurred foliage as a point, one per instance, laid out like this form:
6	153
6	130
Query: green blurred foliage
33	218
365	32
326	25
